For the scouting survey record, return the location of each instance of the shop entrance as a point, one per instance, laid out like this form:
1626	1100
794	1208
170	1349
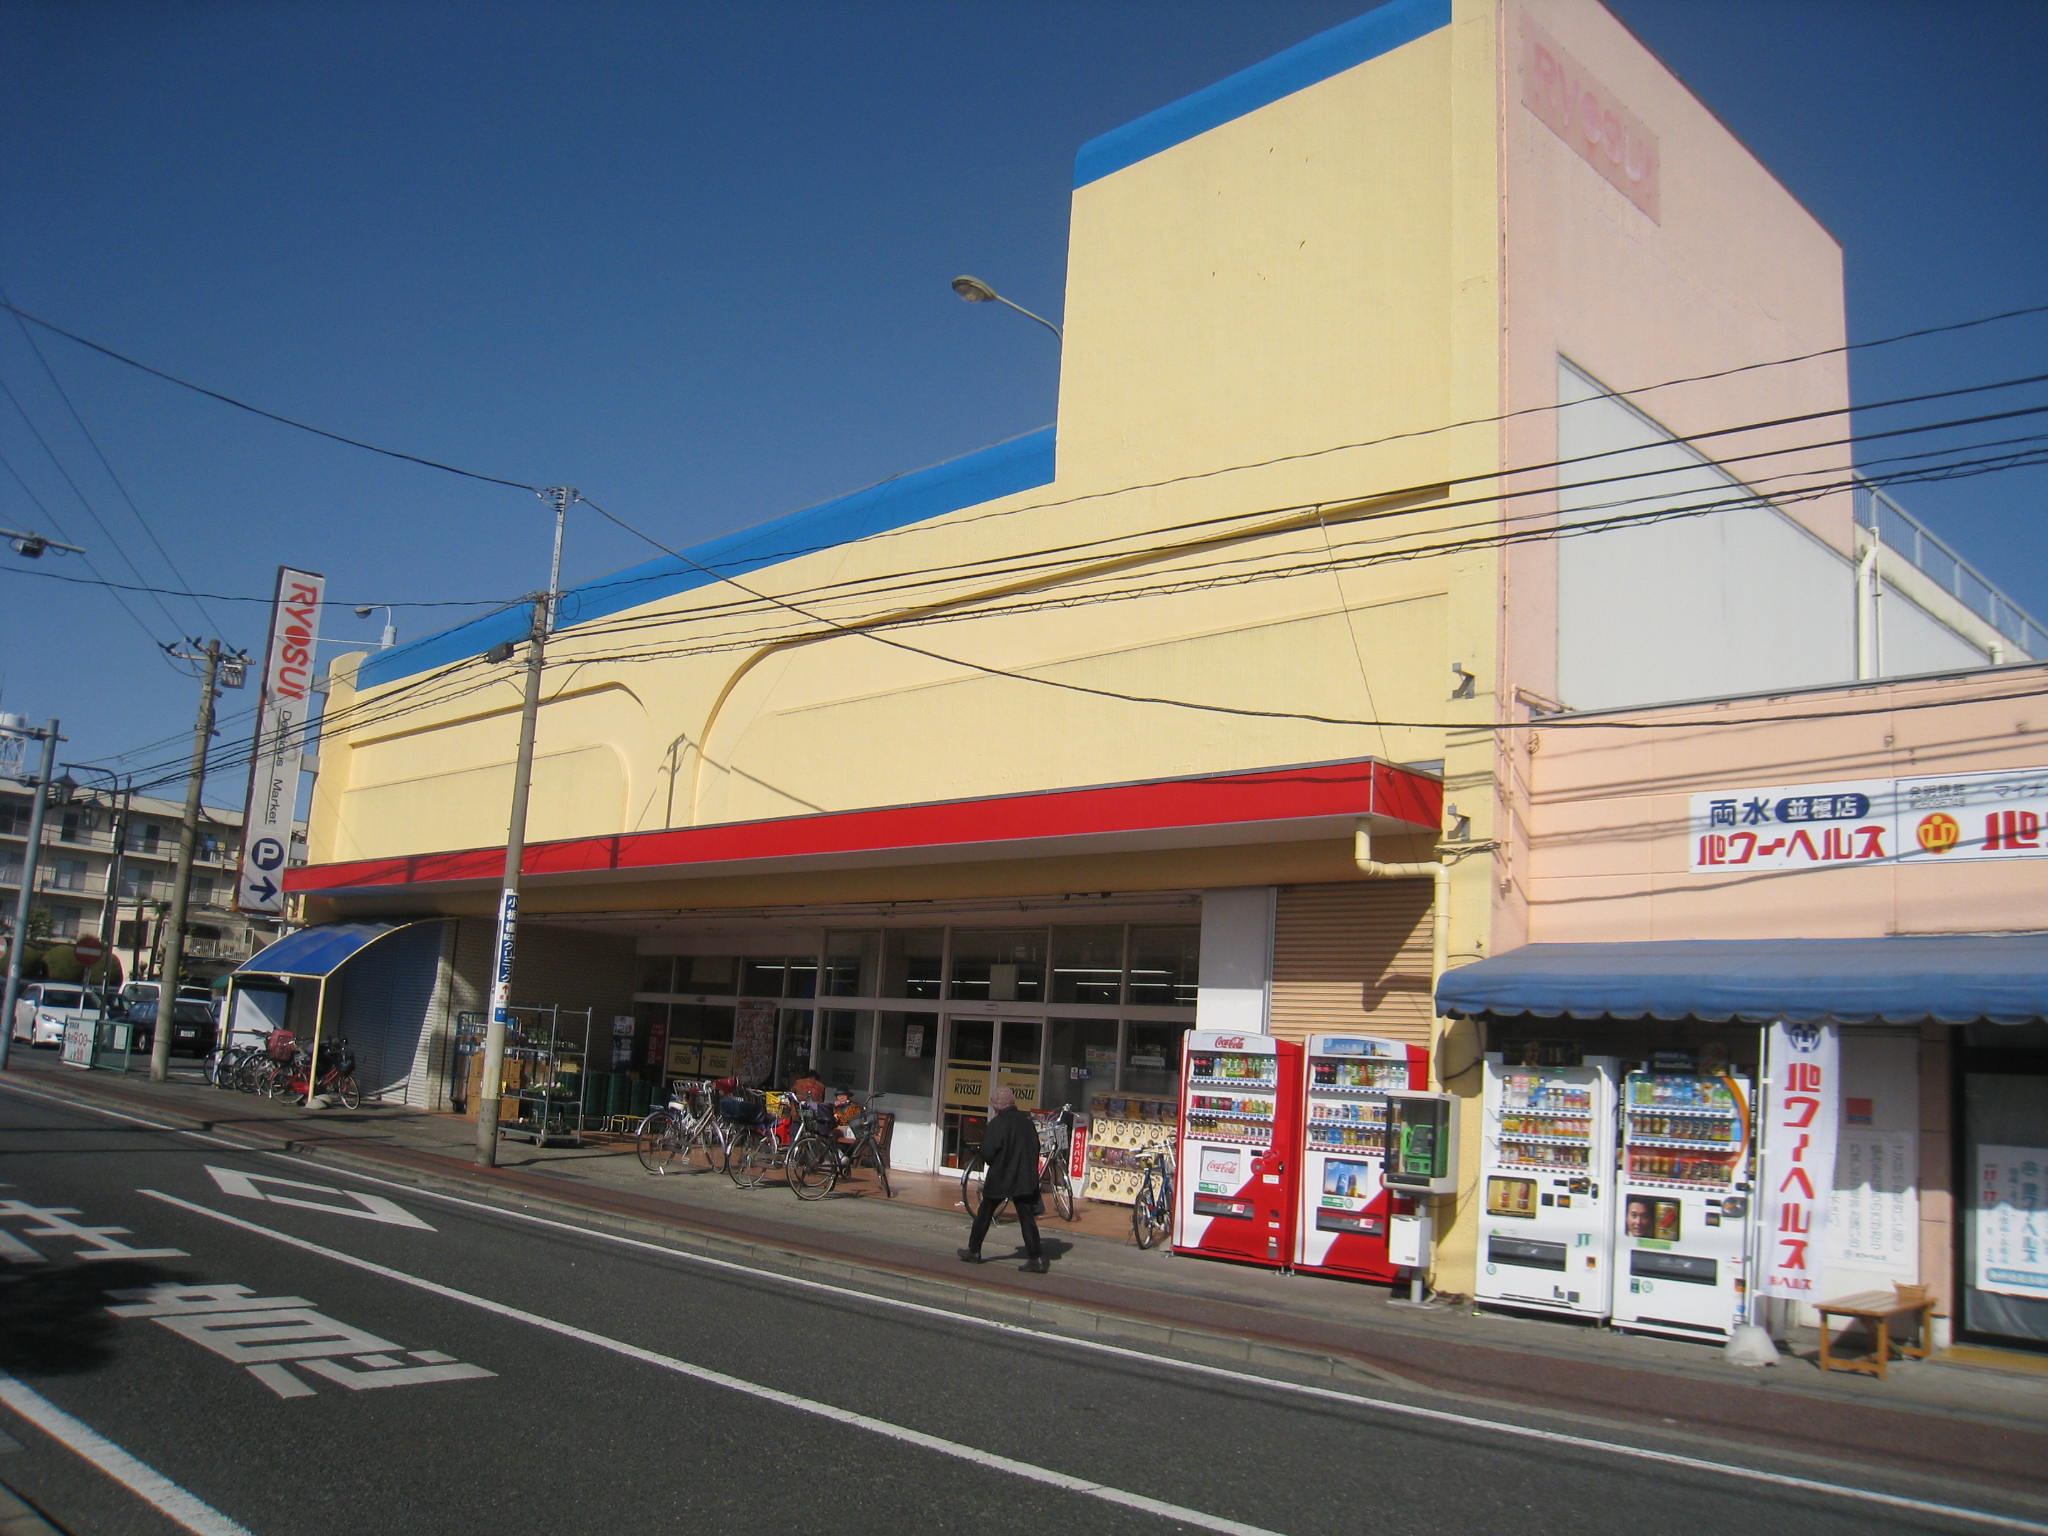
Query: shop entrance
982	1053
2004	1103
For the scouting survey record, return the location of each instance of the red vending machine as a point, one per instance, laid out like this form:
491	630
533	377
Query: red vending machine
1345	1202
1240	1134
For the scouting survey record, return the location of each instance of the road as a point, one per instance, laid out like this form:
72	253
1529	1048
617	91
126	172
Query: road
201	1338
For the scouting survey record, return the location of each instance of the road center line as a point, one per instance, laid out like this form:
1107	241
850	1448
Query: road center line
179	1504
967	1453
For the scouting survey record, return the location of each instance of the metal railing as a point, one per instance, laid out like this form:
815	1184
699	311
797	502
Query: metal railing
1900	530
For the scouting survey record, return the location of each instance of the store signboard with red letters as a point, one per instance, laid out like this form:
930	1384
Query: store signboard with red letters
1934	818
1801	1120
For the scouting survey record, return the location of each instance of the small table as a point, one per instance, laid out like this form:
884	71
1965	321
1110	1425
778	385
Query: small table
1877	1308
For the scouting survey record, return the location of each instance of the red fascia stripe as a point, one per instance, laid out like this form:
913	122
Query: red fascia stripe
1360	788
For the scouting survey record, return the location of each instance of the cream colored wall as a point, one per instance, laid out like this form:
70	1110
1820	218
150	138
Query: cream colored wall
1318	273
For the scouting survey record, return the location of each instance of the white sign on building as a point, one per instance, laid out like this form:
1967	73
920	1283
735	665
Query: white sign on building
1935	818
283	719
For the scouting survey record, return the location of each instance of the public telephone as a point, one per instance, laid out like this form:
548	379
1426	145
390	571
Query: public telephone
1422	1142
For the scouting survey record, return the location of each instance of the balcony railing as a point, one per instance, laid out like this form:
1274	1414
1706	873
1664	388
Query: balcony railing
1898	528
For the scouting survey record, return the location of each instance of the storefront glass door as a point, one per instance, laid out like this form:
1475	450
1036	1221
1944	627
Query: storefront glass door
980	1054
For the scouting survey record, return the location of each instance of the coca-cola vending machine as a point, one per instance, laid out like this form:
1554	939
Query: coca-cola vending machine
1240	1134
1345	1202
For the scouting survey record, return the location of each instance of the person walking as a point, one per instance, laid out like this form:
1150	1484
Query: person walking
1009	1148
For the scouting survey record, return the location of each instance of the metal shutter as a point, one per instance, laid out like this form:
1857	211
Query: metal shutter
1353	957
386	997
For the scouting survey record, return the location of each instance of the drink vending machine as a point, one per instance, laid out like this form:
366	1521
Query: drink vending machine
1240	1131
1681	1235
1345	1202
1547	1176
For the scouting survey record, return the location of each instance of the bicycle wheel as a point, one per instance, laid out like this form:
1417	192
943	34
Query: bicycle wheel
1148	1219
813	1168
752	1156
871	1149
348	1091
657	1142
1062	1188
970	1185
715	1137
278	1083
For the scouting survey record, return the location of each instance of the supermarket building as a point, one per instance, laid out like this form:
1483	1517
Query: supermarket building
1209	704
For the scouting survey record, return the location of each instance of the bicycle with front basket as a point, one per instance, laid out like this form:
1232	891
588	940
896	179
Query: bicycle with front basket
819	1159
688	1121
1055	1171
1152	1211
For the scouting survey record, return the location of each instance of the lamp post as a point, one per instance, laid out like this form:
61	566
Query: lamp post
390	636
490	1088
124	784
15	726
975	291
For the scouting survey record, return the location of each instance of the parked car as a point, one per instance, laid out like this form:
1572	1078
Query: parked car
192	1026
133	992
44	1009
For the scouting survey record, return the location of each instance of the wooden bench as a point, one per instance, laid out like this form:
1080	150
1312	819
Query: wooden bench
1878	1309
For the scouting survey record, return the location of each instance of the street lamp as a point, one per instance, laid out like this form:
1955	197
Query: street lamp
110	908
975	291
390	636
30	546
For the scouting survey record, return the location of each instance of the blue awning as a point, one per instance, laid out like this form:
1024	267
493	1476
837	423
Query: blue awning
1939	979
317	951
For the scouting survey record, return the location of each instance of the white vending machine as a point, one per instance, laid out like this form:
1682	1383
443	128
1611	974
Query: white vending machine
1547	1175
1682	1217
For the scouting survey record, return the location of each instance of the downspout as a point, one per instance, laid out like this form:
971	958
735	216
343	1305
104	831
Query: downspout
1434	870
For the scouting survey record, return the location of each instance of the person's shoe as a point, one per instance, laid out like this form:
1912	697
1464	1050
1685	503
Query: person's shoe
1037	1266
969	1256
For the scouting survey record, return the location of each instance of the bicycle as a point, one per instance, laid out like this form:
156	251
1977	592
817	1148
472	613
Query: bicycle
758	1144
1055	1150
689	1120
336	1079
1152	1211
818	1159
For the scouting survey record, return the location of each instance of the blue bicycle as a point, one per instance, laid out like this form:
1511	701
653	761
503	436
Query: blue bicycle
1152	1211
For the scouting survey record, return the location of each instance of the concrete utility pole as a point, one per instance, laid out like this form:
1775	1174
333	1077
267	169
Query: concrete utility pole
489	1089
29	858
210	657
121	794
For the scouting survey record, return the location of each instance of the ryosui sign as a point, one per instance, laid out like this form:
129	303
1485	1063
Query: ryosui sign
283	714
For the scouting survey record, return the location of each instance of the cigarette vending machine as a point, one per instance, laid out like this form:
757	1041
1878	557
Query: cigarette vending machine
1547	1178
1345	1202
1240	1134
1682	1222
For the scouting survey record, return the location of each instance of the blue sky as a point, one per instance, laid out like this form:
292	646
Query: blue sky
694	259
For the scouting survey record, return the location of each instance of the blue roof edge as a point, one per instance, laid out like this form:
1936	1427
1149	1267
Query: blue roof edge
1343	47
1003	469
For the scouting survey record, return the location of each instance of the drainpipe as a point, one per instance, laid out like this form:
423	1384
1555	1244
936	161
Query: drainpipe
1869	661
1435	870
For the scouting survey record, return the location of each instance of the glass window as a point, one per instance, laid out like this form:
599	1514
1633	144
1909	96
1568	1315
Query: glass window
800	976
63	922
656	974
762	977
1081	1062
1152	1058
1088	965
906	1053
69	875
1001	965
793	1055
913	962
1165	966
713	975
852	964
700	1038
844	1038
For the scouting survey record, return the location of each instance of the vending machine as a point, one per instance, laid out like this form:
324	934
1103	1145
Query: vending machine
1681	1221
1240	1135
1345	1203
1547	1176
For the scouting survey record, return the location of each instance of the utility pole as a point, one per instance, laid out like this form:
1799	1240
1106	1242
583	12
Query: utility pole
210	657
29	858
489	1089
120	795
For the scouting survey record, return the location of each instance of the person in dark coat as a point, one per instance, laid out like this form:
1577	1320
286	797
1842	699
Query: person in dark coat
1009	1146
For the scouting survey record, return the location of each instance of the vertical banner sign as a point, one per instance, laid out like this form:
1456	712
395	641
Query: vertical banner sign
501	975
283	715
1800	1119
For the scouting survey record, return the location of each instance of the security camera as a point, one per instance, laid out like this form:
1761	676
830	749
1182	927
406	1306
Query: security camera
31	548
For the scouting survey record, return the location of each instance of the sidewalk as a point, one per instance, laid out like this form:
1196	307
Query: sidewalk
1940	1418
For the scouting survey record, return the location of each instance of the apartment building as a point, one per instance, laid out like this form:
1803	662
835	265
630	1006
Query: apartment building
85	884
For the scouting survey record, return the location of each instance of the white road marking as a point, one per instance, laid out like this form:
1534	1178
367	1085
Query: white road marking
344	1202
989	1460
180	1505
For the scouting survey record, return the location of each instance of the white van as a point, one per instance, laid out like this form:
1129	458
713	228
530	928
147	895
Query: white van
43	1009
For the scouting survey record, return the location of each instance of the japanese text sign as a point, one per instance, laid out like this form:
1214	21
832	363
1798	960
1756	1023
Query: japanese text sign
1799	1119
1939	818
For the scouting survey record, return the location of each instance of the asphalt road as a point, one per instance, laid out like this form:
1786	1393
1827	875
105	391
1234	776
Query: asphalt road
200	1338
